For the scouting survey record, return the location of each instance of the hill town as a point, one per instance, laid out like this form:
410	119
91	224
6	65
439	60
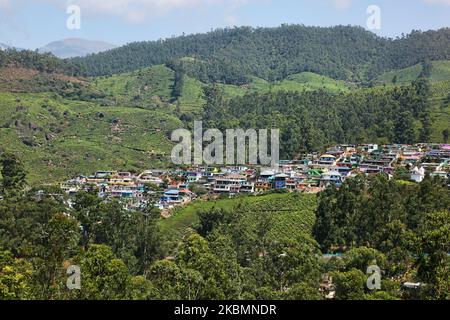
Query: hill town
311	174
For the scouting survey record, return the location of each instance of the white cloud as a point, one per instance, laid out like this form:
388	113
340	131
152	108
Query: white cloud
140	10
133	10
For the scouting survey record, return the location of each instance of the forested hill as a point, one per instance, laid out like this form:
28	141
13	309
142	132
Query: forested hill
232	55
43	62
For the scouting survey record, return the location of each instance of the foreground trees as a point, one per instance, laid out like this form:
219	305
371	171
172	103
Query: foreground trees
433	249
408	224
15	278
403	229
40	236
13	175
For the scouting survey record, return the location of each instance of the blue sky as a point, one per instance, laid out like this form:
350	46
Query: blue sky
32	24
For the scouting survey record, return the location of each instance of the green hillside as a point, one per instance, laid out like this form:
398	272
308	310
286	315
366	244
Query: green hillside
305	81
313	81
139	88
294	214
63	125
117	122
440	92
440	109
60	138
440	71
191	99
234	55
153	87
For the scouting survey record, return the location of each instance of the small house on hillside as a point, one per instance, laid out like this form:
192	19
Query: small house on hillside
417	174
327	159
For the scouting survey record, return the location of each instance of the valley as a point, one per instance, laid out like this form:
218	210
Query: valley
87	177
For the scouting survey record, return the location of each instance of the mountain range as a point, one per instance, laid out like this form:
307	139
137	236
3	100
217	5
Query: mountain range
70	48
76	47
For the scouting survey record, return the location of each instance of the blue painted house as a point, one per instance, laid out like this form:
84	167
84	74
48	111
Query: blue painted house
279	181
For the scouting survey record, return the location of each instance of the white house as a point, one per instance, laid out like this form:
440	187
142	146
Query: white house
418	174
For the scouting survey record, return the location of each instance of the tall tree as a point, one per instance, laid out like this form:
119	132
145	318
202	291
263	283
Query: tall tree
16	278
350	285
446	135
13	175
433	248
404	128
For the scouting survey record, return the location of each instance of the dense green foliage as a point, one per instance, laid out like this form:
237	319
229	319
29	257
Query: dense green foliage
408	223
120	251
232	55
40	236
310	121
270	242
295	214
440	71
246	248
305	81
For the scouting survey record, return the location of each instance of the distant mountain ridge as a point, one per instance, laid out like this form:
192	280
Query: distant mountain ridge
76	47
234	55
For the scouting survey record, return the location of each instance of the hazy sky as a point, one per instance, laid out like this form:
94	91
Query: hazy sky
34	23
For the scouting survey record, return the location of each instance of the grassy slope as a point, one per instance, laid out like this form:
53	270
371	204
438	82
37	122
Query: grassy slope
156	83
295	215
440	72
191	99
440	109
142	86
151	86
70	137
299	82
440	78
81	137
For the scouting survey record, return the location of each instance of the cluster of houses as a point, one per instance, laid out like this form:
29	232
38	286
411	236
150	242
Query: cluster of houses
169	188
136	190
